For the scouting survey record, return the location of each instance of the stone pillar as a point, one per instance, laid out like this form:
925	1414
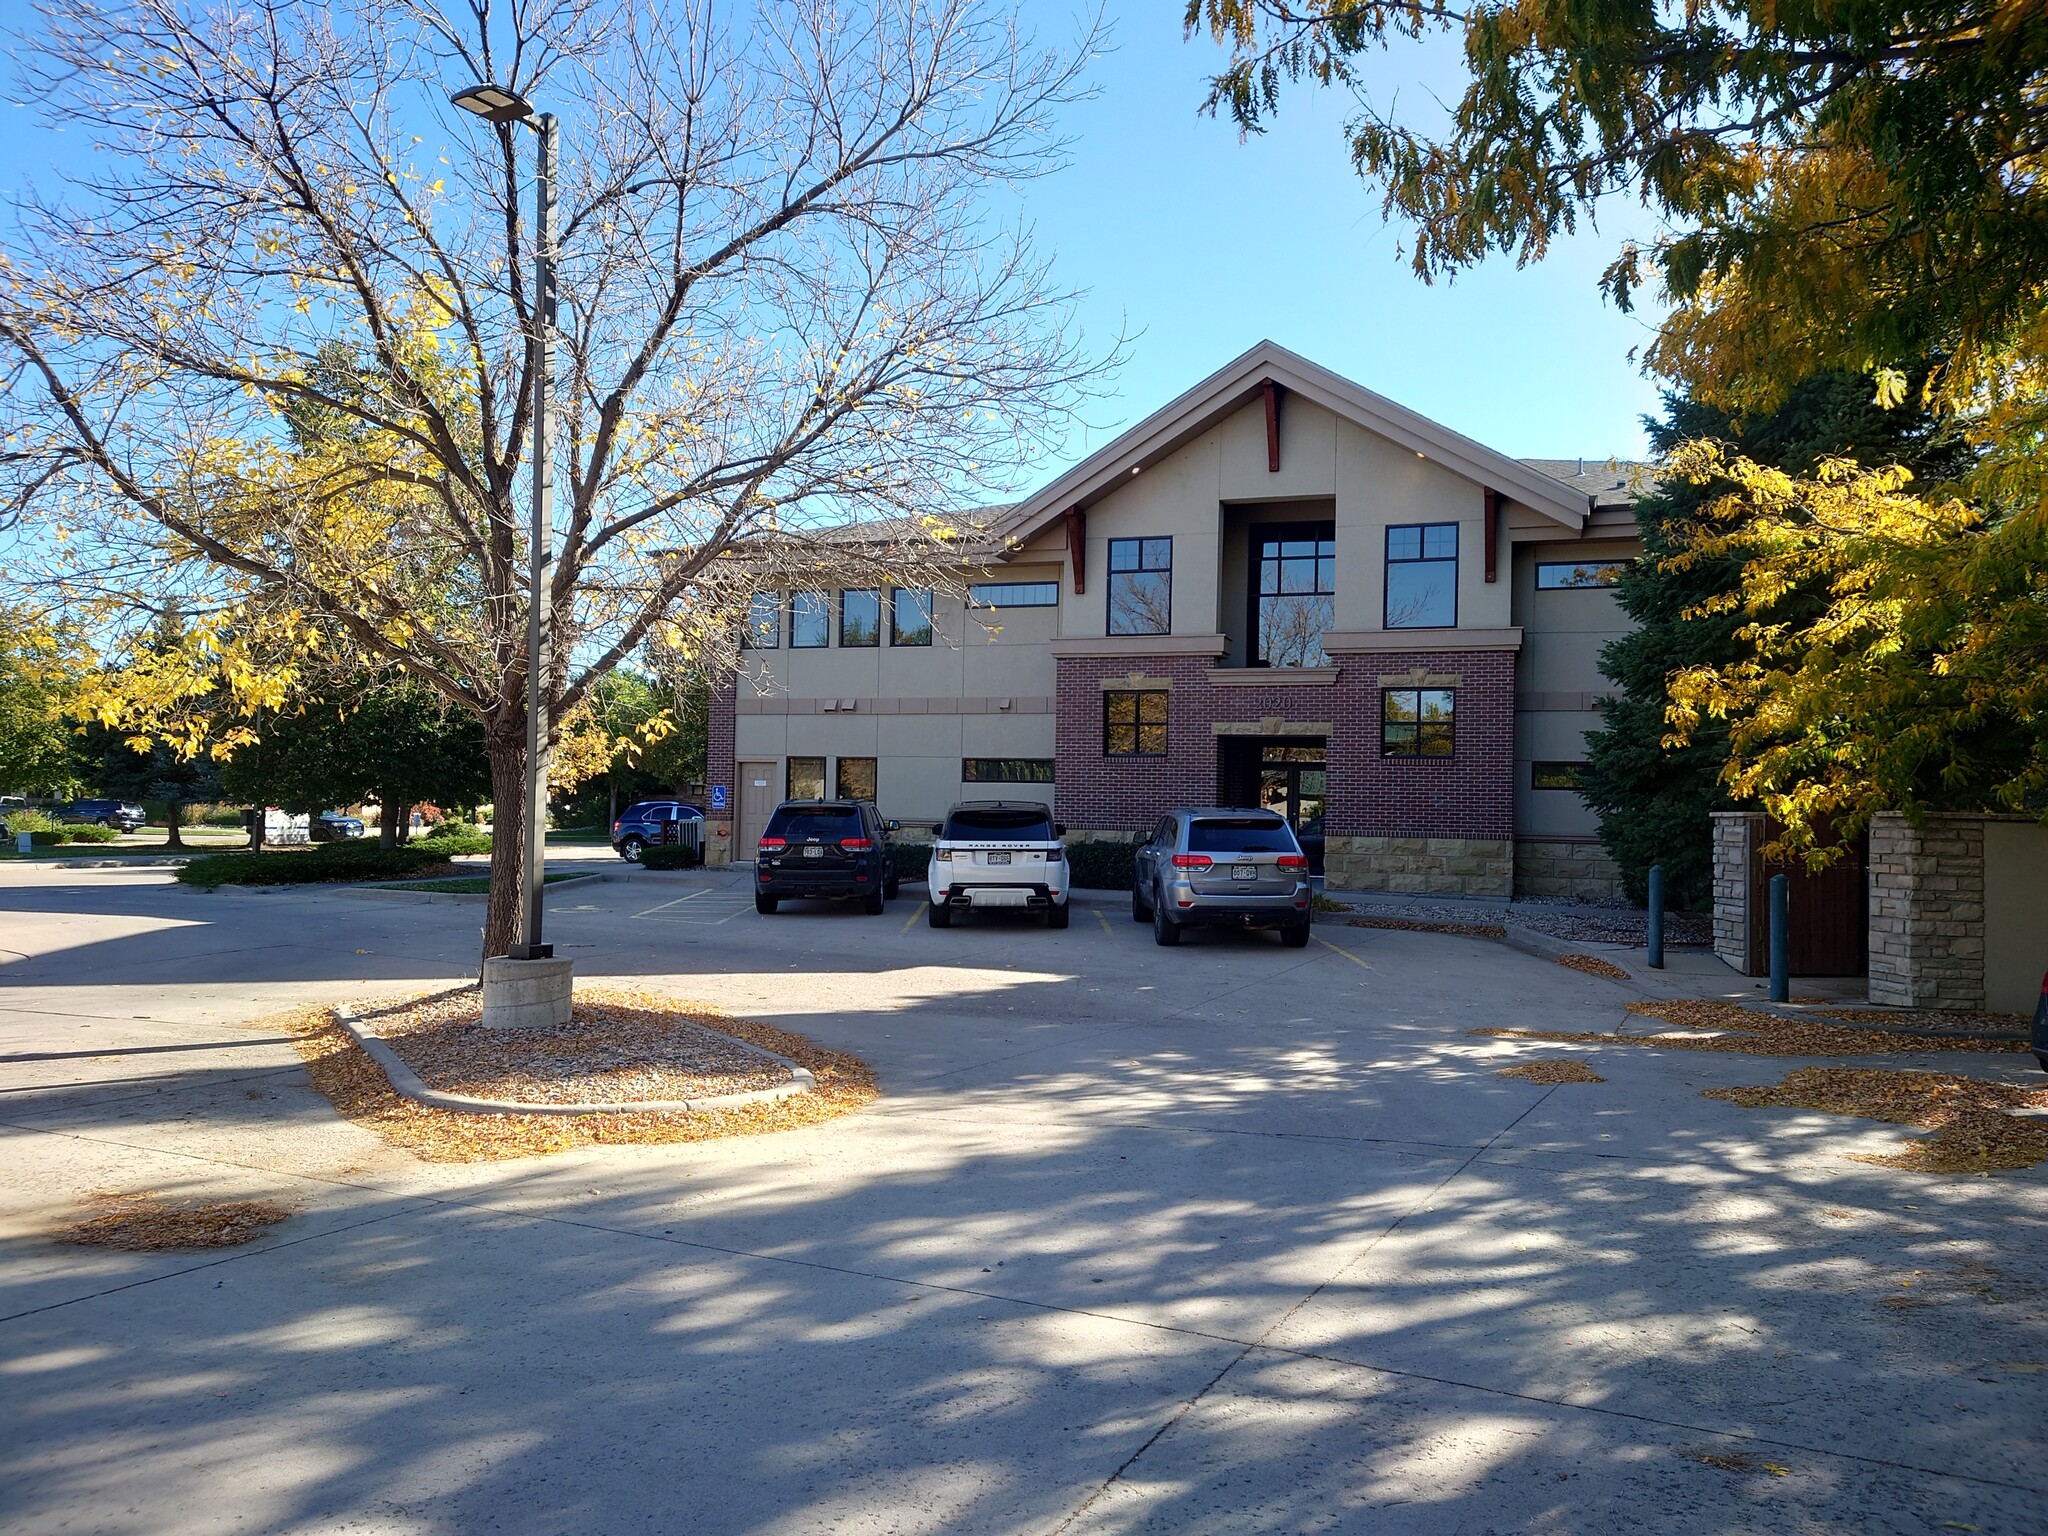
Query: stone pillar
1737	835
1927	912
526	994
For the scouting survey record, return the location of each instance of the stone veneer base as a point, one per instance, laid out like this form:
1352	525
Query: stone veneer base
1427	866
1578	869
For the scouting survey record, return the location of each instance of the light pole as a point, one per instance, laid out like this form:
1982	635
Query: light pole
495	104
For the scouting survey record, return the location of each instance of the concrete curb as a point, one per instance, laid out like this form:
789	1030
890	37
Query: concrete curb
407	1083
470	898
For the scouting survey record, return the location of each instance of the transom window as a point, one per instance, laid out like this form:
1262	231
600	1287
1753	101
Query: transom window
1006	770
910	616
1422	576
1296	594
763	628
860	618
810	621
1014	594
1554	775
1583	574
1417	722
1134	723
1140	586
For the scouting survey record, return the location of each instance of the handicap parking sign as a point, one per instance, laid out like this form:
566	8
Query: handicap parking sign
718	797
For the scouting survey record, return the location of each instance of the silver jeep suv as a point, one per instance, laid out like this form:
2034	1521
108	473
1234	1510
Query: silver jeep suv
1227	866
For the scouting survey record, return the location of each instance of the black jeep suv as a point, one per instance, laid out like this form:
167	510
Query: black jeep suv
836	849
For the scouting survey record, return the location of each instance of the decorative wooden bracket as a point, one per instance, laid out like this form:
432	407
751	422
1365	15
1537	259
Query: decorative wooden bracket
1272	394
1493	500
1077	546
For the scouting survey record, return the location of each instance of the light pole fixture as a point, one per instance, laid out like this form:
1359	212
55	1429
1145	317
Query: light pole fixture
495	104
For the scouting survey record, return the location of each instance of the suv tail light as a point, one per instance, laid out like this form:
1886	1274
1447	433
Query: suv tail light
1292	861
1053	855
943	855
1192	861
773	842
856	844
615	827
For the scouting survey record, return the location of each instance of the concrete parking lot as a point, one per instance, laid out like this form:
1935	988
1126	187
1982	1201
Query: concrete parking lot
1224	1238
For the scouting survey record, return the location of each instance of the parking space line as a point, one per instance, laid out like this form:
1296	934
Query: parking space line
1345	953
914	917
678	901
1103	920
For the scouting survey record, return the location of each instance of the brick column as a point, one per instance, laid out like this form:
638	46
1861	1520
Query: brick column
721	735
1927	912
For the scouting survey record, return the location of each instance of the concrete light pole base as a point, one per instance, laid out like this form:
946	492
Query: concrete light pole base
526	994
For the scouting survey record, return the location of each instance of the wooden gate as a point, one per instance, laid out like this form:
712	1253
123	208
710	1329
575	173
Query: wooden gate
1830	912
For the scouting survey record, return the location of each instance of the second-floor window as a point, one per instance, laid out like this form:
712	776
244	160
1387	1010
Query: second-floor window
1295	601
910	616
1422	576
1140	586
1134	723
860	618
810	621
763	629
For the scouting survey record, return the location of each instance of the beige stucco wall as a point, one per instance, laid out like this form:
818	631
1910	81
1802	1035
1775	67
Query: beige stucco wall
2015	914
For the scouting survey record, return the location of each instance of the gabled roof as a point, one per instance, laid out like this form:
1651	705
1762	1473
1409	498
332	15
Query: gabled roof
1236	385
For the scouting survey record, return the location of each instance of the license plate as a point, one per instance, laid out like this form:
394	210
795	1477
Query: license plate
999	858
1244	872
814	852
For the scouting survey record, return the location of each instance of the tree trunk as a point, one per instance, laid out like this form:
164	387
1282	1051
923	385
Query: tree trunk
174	815
387	823
506	744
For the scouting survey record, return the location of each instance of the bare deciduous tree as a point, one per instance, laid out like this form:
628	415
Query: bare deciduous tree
271	356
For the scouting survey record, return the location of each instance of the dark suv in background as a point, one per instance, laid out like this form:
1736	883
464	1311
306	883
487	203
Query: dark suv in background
105	813
645	822
836	849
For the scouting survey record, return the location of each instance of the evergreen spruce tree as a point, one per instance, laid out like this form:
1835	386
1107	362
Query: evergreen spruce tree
1653	801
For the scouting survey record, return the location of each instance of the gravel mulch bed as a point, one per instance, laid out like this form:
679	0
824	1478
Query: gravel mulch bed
357	1087
1550	1072
151	1224
1751	1032
1593	965
610	1052
1422	925
1973	1133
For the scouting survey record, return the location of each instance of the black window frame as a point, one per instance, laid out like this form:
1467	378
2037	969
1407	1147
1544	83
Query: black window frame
1536	775
839	789
750	631
976	599
1615	565
968	776
1447	727
789	777
875	636
1146	543
1422	557
1137	724
822	612
1322	531
931	623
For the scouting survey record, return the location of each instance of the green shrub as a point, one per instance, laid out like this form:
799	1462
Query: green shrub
1104	864
25	820
220	816
454	837
325	862
660	856
913	860
47	837
94	834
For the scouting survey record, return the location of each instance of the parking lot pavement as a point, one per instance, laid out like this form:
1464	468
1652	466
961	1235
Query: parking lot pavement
1222	1238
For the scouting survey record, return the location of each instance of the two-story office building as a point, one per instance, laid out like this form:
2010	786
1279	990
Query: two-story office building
1280	589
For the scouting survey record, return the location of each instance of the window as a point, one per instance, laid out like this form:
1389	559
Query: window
992	824
810	623
1586	573
1014	594
855	779
1295	601
827	823
1422	576
806	779
763	629
1006	770
1417	722
1134	724
1140	586
910	616
860	618
1554	775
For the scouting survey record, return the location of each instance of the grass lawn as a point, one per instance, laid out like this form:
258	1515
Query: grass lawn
478	885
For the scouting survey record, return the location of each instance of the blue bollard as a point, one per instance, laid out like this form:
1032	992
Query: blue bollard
1656	935
1781	939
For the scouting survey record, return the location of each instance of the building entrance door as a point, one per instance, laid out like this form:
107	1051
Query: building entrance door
757	803
1288	775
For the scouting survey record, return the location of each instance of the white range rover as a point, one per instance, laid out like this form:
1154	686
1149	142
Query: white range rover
998	853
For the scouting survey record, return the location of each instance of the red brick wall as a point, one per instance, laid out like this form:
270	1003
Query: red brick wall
1469	795
720	745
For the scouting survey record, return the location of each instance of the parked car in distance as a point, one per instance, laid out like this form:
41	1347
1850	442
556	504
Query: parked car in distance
1223	866
333	827
839	850
998	853
646	821
104	813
